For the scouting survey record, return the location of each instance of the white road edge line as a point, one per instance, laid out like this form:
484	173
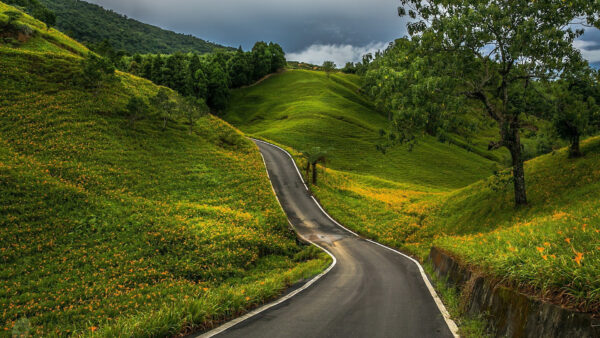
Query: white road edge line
441	307
263	308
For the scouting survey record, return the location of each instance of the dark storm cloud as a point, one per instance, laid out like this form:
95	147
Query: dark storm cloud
309	30
295	24
589	44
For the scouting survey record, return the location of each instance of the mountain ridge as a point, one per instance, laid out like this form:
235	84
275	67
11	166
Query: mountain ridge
92	24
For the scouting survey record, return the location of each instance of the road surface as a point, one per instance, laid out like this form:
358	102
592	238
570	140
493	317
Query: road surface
370	292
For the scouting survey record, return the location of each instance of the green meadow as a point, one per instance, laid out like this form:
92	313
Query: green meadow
109	229
304	109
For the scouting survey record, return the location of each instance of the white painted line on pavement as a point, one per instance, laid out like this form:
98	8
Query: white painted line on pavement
263	308
288	154
441	307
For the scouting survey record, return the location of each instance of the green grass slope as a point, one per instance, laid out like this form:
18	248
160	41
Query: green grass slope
552	246
438	194
108	230
303	109
41	40
90	23
550	249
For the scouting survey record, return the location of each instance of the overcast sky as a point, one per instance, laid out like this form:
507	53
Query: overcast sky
308	30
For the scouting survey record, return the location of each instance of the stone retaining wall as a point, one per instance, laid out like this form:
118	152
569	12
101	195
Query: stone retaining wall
509	312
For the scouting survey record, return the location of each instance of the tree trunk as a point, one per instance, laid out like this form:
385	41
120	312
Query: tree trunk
575	150
164	123
513	143
307	170
314	178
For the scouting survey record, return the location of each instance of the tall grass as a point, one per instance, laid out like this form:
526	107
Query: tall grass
111	230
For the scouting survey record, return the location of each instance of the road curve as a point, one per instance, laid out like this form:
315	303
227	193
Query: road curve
371	291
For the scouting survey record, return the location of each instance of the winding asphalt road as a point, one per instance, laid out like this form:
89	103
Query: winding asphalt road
371	291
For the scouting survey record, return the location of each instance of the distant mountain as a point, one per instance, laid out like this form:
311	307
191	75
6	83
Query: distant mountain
92	24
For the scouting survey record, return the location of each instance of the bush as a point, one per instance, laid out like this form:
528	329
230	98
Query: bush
95	70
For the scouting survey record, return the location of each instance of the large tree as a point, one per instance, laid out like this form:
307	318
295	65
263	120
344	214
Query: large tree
239	68
261	59
328	67
575	112
192	109
277	57
489	51
164	105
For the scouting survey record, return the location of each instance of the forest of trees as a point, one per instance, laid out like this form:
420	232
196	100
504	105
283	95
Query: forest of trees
91	24
209	76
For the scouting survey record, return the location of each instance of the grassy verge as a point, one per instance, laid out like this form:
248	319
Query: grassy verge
120	230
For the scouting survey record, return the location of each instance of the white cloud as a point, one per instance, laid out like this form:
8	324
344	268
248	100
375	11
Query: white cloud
340	54
592	55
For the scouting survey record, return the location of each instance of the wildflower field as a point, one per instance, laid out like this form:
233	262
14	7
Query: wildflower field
440	194
112	230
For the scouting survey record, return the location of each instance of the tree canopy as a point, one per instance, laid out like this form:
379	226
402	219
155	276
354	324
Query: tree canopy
210	76
486	51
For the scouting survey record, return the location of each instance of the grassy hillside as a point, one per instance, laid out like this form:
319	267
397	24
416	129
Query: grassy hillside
90	23
438	194
109	230
550	248
303	109
37	39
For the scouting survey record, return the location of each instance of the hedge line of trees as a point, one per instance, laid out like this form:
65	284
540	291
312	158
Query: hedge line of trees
96	72
209	76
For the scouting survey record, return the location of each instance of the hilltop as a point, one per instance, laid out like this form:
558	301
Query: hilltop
304	109
92	24
114	229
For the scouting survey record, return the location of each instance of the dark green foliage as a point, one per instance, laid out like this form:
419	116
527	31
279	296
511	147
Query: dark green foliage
217	87
350	68
328	67
449	64
45	15
95	70
92	24
166	108
137	109
209	77
576	112
157	69
261	59
239	68
173	73
106	49
277	57
192	109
